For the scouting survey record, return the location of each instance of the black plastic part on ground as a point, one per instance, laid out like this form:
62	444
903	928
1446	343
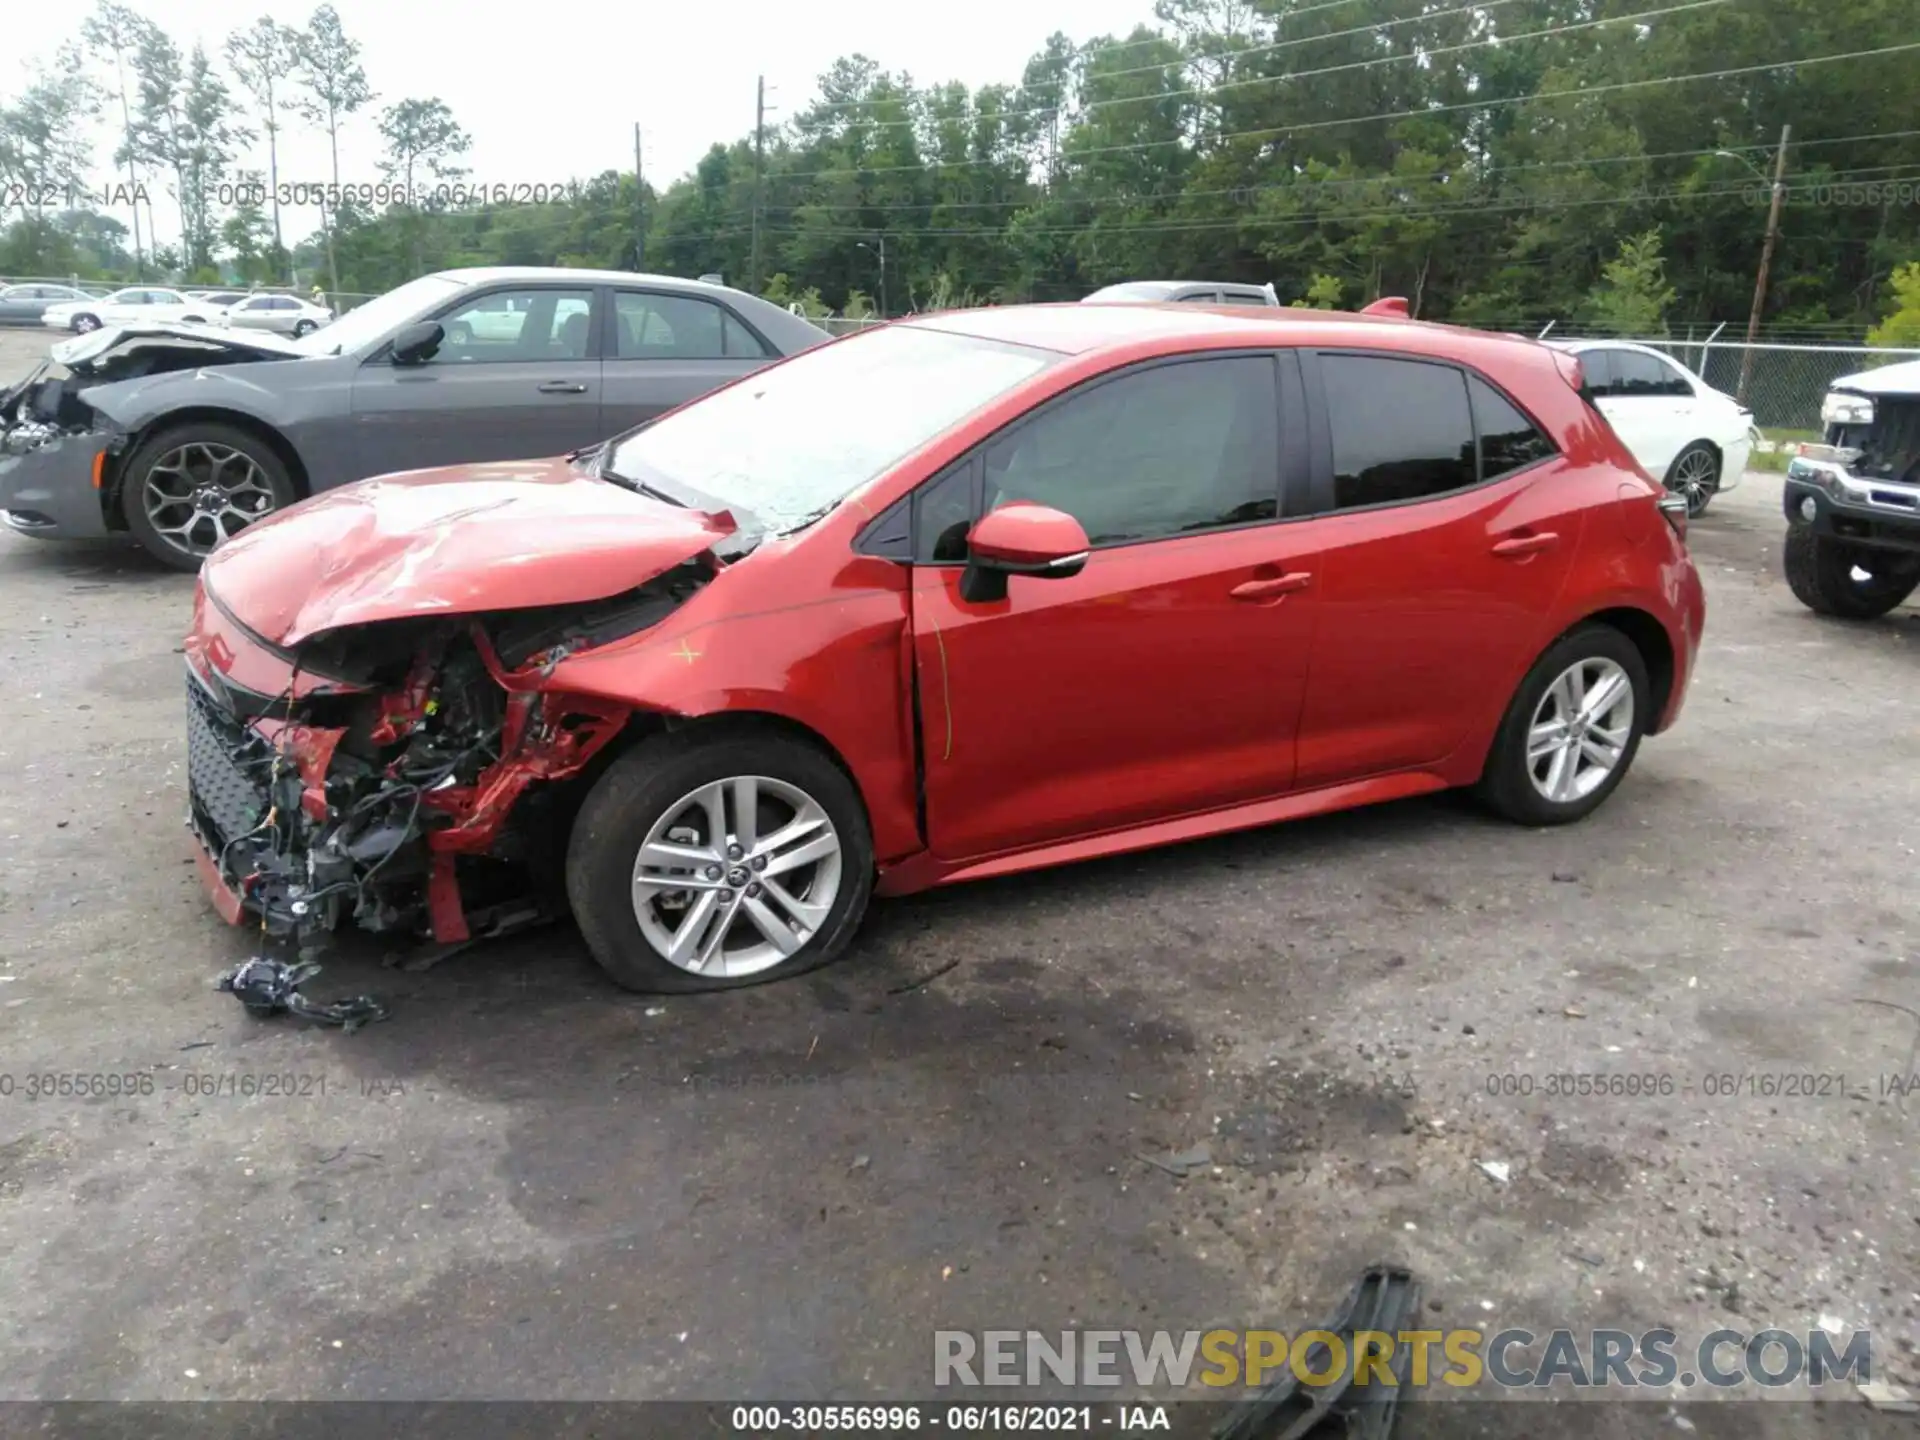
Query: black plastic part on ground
268	987
1383	1301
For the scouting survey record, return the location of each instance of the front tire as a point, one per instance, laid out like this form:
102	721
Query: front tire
1695	473
85	324
1571	730
1849	582
303	328
190	487
711	861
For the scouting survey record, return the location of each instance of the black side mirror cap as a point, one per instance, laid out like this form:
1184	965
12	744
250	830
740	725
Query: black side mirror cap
418	342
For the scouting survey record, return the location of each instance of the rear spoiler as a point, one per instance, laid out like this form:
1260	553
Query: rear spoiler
1393	305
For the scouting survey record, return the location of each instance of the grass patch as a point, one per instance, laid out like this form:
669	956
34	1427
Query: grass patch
1776	461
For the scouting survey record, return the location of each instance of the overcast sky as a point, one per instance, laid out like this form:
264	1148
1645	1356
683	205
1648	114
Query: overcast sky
552	92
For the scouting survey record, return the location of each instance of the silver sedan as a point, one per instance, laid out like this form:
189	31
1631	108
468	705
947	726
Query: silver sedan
282	314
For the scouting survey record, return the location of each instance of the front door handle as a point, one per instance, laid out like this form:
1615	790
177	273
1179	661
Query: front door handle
1515	545
563	387
1269	589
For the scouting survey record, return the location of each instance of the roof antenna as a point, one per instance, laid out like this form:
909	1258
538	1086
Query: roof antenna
1394	305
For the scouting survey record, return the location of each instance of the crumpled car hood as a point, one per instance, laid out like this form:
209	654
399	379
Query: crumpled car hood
81	351
460	540
1903	379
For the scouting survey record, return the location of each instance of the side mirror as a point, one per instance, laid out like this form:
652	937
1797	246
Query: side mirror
418	342
1021	539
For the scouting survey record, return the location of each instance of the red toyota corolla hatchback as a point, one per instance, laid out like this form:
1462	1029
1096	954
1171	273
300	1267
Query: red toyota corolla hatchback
961	596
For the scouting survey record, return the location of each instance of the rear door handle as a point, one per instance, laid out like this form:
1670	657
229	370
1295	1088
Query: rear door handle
1268	589
1527	544
563	387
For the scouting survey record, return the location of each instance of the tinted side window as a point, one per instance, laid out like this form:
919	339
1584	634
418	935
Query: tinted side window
517	326
740	341
1508	440
1637	376
1674	381
1401	429
942	516
675	327
1597	367
1164	451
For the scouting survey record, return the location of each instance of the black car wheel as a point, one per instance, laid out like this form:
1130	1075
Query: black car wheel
711	861
191	487
1849	582
83	323
1572	730
303	327
1695	473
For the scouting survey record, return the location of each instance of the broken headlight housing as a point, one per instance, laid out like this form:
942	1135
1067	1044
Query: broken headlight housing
22	439
1840	408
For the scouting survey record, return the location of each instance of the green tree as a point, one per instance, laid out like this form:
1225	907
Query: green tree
336	88
1901	328
1633	296
1324	292
118	30
263	58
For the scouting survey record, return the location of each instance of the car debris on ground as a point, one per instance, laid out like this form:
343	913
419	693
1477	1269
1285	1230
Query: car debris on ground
1385	1299
270	987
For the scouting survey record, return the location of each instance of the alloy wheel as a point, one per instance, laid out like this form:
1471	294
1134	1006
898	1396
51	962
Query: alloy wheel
736	876
86	324
1580	729
1694	477
198	494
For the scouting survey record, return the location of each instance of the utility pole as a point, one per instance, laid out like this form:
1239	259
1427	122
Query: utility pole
759	165
639	205
1766	261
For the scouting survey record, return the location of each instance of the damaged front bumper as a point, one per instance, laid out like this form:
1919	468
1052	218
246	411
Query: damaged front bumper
404	810
51	480
1825	490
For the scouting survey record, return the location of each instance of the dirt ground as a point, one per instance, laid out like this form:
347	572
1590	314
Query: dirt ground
529	1185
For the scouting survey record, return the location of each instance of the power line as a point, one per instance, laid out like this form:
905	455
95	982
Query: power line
1209	91
1195	59
1334	217
1095	47
1273	132
1305	183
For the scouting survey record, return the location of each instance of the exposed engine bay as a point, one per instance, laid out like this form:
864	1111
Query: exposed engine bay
414	776
1890	446
49	404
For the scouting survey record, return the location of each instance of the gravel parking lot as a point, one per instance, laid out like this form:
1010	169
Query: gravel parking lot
527	1184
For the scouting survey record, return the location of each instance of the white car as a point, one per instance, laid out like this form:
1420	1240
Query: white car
282	314
123	307
1683	432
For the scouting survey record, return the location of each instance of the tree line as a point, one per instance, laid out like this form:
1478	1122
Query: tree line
1596	163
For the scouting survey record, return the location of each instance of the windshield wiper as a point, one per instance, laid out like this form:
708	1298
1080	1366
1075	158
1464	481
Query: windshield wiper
640	487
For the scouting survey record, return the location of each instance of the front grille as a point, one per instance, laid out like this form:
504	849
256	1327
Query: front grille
1892	445
227	767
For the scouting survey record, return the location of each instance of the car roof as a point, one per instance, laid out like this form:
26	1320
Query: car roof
1077	329
556	274
1574	347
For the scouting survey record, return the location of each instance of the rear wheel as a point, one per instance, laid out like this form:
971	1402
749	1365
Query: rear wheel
706	863
1571	731
83	323
1695	473
1849	582
303	328
189	488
